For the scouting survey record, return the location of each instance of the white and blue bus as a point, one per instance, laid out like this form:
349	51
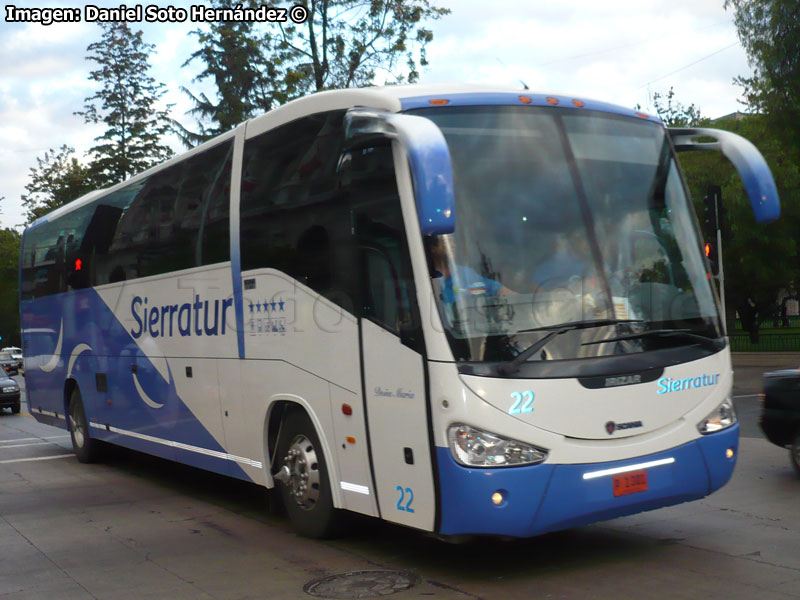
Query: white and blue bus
460	309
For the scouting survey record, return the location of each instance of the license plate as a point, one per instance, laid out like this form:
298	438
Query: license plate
630	483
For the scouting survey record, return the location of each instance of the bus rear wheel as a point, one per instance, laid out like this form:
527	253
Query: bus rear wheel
86	448
303	479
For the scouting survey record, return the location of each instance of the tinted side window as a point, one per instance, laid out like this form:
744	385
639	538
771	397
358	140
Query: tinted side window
175	219
179	218
49	256
294	217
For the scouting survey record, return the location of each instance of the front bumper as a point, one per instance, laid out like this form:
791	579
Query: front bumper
542	498
9	400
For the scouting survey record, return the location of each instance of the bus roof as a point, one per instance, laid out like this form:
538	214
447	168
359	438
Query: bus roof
392	98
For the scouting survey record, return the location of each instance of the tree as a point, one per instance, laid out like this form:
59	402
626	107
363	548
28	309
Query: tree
246	82
676	115
9	291
127	103
57	179
344	43
341	44
770	33
758	260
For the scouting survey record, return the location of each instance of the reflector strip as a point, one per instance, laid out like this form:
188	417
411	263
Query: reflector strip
48	413
181	446
636	467
354	487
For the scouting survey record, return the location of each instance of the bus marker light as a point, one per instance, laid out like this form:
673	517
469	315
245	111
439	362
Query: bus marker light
578	103
551	100
350	440
729	453
525	99
642	115
347	409
439	101
497	498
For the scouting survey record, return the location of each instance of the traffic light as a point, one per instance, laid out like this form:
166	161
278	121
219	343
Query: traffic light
712	203
712	254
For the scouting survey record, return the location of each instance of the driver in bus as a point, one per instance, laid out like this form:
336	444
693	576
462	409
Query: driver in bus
455	279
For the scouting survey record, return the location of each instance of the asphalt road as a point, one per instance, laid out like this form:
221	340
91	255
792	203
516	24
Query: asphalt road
138	527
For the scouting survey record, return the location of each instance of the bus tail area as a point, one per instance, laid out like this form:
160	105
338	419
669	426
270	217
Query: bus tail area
458	309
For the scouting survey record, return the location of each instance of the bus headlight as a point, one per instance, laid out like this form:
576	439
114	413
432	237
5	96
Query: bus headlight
474	447
720	418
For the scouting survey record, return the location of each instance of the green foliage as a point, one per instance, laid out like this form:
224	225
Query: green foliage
759	260
57	179
9	290
676	115
343	43
770	33
127	103
234	56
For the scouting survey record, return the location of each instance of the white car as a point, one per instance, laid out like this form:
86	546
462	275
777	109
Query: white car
16	354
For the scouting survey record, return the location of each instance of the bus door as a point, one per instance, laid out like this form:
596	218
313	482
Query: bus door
392	360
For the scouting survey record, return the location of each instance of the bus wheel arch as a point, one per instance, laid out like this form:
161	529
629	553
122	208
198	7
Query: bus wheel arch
301	472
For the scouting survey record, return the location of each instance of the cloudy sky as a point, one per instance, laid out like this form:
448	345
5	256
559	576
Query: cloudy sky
619	51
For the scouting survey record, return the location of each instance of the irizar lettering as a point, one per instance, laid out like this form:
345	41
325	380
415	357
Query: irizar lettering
623	380
201	317
667	385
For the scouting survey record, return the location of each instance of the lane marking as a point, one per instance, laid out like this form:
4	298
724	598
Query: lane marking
35	439
27	444
17	460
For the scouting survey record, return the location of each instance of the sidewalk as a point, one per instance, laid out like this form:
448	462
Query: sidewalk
768	360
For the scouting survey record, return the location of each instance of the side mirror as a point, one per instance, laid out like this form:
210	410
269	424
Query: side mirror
752	168
428	157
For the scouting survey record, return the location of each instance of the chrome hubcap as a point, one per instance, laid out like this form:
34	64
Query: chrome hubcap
77	430
302	479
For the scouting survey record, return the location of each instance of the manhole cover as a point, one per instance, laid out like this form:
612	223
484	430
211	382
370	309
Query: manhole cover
361	584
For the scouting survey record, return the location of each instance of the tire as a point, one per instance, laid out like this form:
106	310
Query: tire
306	494
794	452
87	450
15	409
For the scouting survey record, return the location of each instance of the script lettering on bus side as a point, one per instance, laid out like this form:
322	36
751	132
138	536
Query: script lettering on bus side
667	384
168	320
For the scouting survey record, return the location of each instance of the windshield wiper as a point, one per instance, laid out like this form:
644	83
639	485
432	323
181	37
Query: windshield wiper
706	342
513	365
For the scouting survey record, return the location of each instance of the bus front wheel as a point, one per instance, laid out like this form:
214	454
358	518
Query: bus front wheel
86	449
303	479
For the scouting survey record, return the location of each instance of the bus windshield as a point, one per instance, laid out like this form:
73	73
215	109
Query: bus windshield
574	238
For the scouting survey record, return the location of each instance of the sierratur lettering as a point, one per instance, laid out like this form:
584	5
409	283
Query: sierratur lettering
202	317
667	385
